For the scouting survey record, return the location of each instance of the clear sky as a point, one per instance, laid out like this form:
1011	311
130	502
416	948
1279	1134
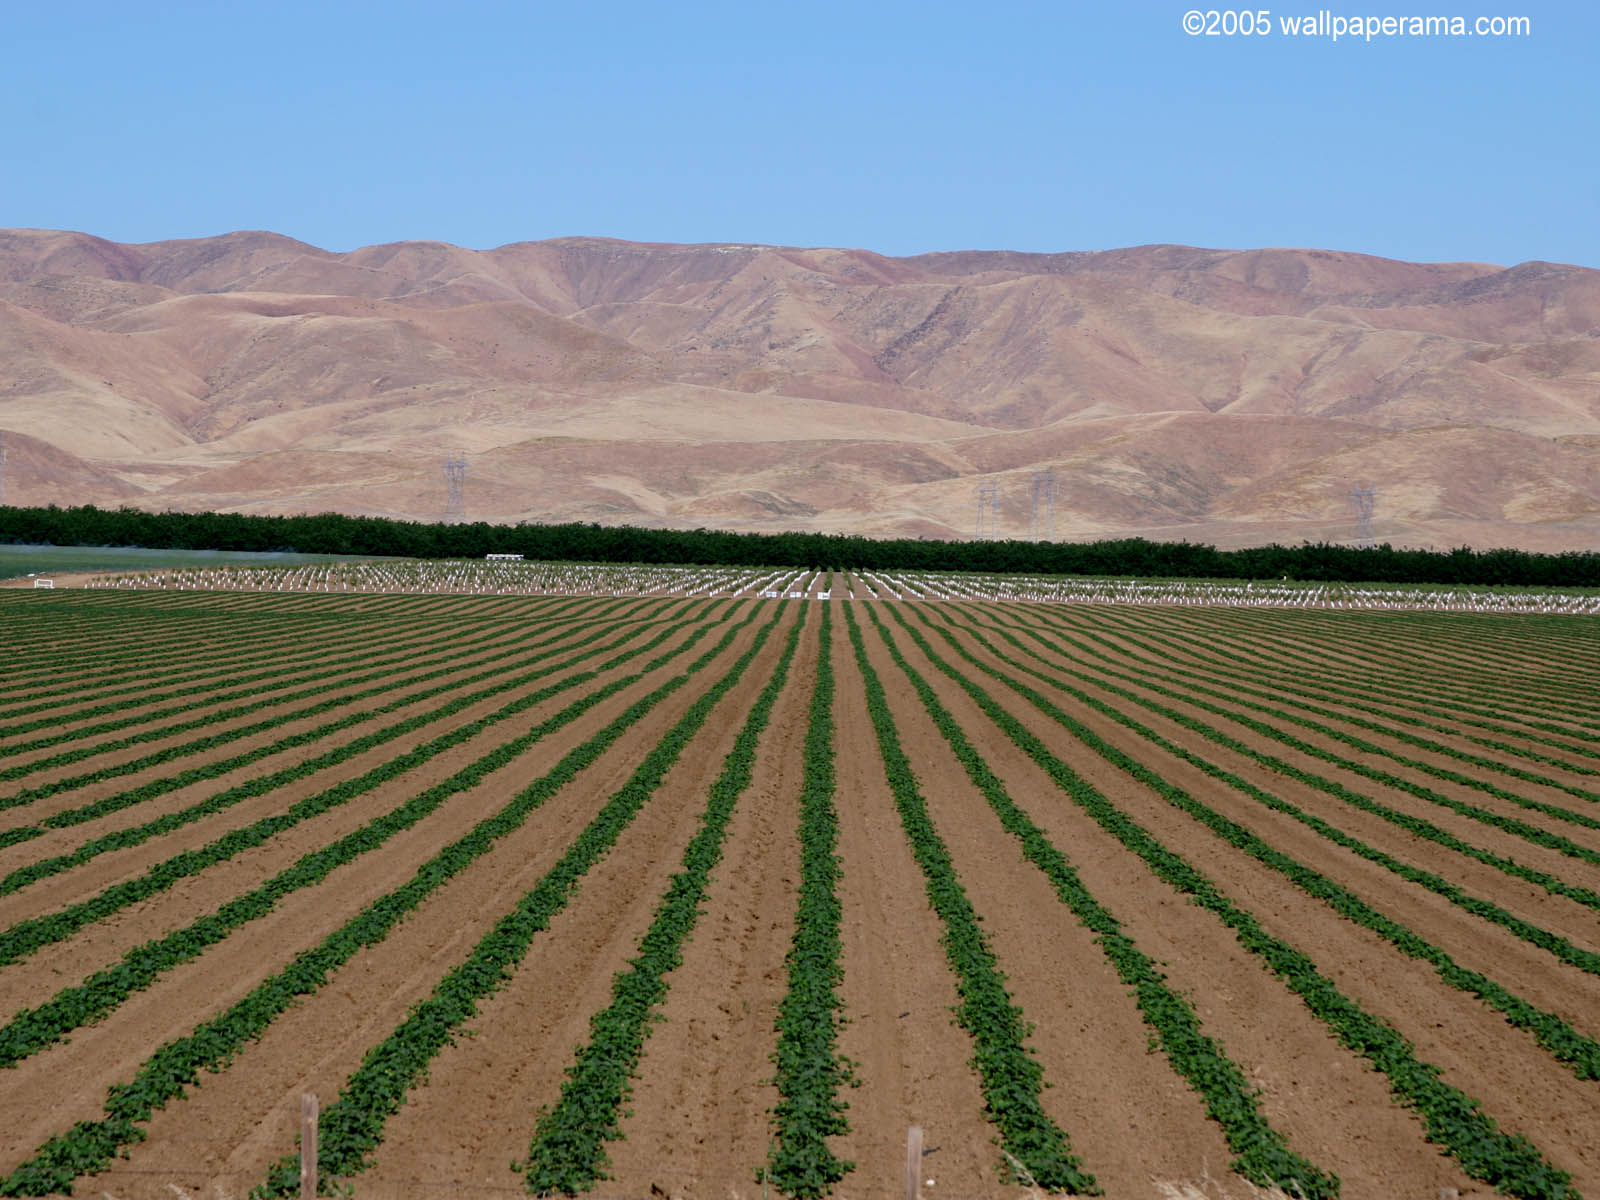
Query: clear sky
900	128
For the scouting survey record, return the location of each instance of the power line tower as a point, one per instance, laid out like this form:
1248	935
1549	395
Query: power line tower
2	468
455	483
988	510
1042	519
1365	497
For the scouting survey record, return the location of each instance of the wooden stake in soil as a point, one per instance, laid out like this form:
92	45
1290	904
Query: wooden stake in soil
914	1163
308	1146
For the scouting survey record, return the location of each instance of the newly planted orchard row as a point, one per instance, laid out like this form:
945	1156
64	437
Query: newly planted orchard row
1125	756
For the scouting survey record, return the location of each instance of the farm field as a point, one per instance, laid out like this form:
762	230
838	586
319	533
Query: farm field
714	895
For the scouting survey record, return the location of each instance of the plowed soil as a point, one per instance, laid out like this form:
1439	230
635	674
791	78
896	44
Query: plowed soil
698	1120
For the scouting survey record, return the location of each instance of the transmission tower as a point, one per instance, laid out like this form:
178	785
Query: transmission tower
2	468
1364	496
455	483
1042	519
988	510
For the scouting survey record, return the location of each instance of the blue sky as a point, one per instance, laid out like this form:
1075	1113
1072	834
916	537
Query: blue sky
897	127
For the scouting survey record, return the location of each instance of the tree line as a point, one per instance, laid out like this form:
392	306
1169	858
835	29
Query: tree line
333	533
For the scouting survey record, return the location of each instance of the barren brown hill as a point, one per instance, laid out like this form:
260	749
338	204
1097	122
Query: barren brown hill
1233	397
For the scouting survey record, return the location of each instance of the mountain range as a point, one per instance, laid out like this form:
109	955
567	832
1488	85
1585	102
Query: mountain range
1235	397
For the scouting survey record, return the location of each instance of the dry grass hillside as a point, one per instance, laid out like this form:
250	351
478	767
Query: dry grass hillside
1232	397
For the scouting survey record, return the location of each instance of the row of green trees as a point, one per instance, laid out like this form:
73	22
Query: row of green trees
331	533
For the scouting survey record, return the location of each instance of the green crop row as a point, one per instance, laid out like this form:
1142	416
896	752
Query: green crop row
1411	824
263	784
199	745
76	648
1388	652
1008	1074
1521	829
352	1127
1584	960
221	669
1234	697
567	1151
1283	682
1581	1052
1336	687
167	1074
1263	1155
1451	1118
280	671
31	1030
810	1069
284	643
335	679
448	665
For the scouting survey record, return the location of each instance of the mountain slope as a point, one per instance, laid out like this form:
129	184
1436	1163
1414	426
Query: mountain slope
1233	396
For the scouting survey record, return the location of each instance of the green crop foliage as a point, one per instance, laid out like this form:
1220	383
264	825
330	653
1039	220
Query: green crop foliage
91	1145
263	784
567	1153
31	1030
352	1127
810	1070
1263	1156
1452	1119
1008	1074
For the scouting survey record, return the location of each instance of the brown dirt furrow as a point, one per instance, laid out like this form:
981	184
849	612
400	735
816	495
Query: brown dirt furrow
1328	1104
705	1082
478	1109
61	841
1525	1089
1204	656
912	1059
332	643
1108	1091
1474	943
80	1071
1391	650
41	974
129	753
1463	826
475	1111
1557	913
1395	650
